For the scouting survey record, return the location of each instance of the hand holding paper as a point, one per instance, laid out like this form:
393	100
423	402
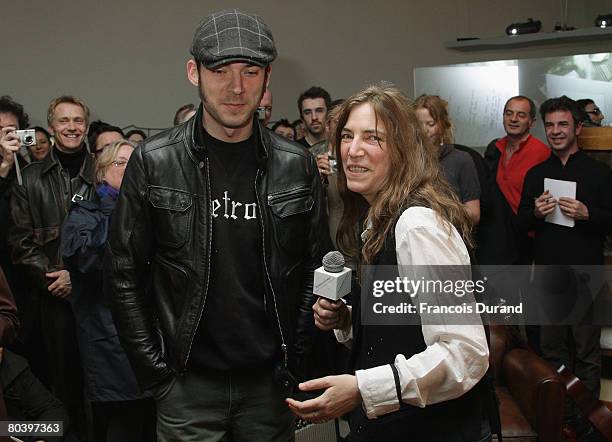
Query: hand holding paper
566	191
573	208
544	204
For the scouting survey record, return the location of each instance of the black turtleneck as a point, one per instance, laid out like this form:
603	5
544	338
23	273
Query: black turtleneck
71	161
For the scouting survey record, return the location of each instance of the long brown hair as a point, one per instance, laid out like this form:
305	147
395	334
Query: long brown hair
438	110
415	178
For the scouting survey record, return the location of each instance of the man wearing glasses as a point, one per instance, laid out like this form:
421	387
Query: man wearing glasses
594	116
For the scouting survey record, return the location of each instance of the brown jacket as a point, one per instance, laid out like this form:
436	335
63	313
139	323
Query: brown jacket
38	208
8	313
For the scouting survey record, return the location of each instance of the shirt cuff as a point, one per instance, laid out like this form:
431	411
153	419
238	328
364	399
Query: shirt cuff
344	336
377	388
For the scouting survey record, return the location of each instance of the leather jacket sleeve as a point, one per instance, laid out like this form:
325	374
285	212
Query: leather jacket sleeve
126	266
25	246
8	313
5	184
319	243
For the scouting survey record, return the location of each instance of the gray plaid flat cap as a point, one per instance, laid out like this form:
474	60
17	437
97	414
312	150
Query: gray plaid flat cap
232	36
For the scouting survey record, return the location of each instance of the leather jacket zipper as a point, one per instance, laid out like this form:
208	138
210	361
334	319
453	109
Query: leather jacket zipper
208	249
65	188
263	245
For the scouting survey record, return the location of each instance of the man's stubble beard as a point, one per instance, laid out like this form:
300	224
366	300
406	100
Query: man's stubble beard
210	110
316	134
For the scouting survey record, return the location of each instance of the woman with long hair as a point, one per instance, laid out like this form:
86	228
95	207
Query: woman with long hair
410	382
457	165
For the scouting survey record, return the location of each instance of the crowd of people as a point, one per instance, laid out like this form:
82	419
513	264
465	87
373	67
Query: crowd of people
164	283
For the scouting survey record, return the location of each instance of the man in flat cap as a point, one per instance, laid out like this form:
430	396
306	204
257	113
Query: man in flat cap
212	250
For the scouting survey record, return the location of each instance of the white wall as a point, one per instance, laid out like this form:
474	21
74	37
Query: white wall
127	59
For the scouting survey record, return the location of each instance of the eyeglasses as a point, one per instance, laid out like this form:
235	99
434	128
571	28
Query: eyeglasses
120	163
595	111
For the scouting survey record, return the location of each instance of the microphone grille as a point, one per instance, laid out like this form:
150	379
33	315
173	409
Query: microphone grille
333	262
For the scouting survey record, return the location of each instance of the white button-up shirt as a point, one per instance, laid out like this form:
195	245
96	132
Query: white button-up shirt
456	357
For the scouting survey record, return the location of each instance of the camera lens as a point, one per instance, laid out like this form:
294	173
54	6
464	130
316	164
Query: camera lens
28	139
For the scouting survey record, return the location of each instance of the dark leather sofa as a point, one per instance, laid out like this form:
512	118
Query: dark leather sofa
530	392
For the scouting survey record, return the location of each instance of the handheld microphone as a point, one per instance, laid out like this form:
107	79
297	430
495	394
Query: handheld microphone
332	280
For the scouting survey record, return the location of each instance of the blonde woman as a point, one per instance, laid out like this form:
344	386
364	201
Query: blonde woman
119	411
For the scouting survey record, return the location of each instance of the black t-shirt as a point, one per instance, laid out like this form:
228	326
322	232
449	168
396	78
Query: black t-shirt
460	172
235	331
303	142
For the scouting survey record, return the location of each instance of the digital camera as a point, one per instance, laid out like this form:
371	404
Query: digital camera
333	164
260	112
27	137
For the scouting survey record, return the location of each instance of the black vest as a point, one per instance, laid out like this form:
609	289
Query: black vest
455	420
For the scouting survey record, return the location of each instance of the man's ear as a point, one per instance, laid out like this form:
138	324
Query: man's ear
268	73
533	122
193	75
579	127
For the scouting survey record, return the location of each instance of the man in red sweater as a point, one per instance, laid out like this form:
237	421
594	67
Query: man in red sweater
510	158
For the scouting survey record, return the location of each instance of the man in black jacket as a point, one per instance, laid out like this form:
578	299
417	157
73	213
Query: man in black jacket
212	250
12	118
578	241
38	208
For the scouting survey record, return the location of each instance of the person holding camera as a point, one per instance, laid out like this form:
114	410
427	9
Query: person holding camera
12	118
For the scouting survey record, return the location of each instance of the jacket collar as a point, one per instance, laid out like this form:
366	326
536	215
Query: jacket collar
50	161
87	168
264	144
189	137
572	157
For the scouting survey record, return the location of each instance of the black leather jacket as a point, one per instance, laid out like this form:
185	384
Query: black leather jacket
158	259
38	208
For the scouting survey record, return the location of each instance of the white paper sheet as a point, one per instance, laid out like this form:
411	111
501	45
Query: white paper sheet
557	189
